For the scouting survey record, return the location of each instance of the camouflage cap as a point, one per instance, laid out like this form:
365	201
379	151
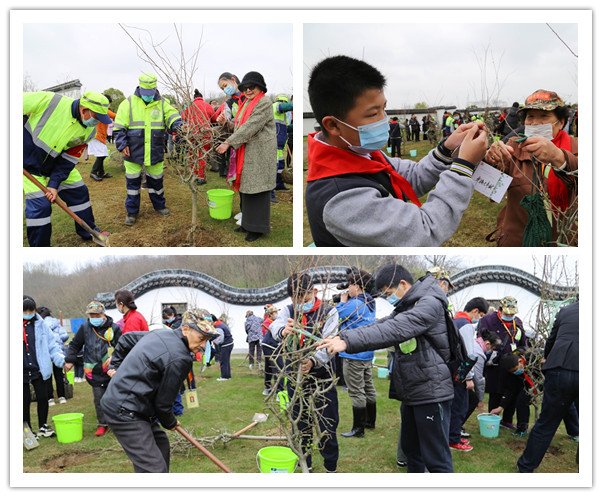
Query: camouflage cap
509	305
542	100
271	309
95	307
440	273
196	319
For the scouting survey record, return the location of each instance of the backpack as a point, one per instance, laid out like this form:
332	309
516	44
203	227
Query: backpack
459	362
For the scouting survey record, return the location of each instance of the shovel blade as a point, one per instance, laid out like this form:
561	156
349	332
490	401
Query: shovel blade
260	417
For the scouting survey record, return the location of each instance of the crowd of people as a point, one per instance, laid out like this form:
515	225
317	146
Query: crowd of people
246	137
358	196
434	404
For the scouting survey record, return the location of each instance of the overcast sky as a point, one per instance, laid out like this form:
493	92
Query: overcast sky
102	56
443	64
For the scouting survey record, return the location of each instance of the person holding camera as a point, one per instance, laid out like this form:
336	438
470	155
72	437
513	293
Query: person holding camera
357	308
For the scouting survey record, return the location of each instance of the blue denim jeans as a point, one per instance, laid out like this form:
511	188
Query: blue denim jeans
561	389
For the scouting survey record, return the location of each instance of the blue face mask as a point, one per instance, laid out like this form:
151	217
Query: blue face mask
147	98
518	372
306	307
229	90
90	123
96	322
27	317
373	136
507	318
393	299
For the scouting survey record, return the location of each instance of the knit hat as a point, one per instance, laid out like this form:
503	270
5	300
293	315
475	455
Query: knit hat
509	305
195	319
97	103
147	83
252	78
95	307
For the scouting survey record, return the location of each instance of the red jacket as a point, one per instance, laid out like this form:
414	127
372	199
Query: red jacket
199	115
134	321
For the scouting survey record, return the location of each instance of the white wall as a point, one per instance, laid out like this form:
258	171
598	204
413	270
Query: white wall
151	304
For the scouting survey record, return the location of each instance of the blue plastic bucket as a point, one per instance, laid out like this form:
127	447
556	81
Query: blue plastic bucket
412	153
382	372
489	425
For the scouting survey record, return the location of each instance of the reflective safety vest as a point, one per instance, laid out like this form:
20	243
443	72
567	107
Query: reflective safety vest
58	136
281	121
141	127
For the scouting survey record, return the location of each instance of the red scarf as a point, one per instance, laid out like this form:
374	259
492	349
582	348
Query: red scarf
325	161
317	304
559	193
241	118
24	334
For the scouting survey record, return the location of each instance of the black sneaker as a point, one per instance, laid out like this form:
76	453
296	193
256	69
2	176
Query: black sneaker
46	431
463	434
95	177
107	175
402	464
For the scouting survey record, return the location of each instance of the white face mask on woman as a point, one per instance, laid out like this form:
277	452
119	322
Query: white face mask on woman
544	130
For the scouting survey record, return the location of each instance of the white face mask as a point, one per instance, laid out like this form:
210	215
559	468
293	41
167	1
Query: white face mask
544	130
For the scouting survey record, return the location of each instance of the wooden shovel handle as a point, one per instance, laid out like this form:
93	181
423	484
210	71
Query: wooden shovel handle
240	432
214	459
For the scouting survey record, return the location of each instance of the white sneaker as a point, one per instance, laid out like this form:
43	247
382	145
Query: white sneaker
250	366
266	391
62	400
238	216
239	222
51	402
223	379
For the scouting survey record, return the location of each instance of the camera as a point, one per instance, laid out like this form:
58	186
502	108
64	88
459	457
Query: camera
336	298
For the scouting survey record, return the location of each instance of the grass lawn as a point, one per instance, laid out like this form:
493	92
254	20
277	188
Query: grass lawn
226	407
152	229
478	221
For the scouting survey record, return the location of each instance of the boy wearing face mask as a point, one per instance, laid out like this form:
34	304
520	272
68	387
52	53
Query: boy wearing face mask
540	163
517	385
355	195
98	337
56	130
319	318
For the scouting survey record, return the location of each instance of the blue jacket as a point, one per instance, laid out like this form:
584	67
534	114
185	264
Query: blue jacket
357	311
47	350
60	333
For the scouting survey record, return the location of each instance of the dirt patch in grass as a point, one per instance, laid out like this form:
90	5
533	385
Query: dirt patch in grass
62	462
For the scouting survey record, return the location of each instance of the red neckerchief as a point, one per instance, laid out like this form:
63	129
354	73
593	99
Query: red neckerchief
218	322
559	193
241	117
325	161
462	314
530	382
317	304
25	335
499	315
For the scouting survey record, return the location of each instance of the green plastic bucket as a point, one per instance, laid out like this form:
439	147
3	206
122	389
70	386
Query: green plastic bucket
276	460
489	425
70	375
68	427
220	203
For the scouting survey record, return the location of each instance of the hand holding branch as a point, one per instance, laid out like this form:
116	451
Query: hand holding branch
333	345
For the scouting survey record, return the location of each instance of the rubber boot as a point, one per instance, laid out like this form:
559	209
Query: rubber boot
370	416
359	421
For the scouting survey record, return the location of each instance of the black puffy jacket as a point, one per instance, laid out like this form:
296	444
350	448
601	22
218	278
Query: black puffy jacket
420	375
151	367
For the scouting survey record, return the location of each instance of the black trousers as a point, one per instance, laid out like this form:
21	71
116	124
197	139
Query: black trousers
224	360
395	147
144	442
328	423
424	437
59	378
41	390
458	412
98	168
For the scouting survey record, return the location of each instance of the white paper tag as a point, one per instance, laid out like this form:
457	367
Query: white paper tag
491	182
